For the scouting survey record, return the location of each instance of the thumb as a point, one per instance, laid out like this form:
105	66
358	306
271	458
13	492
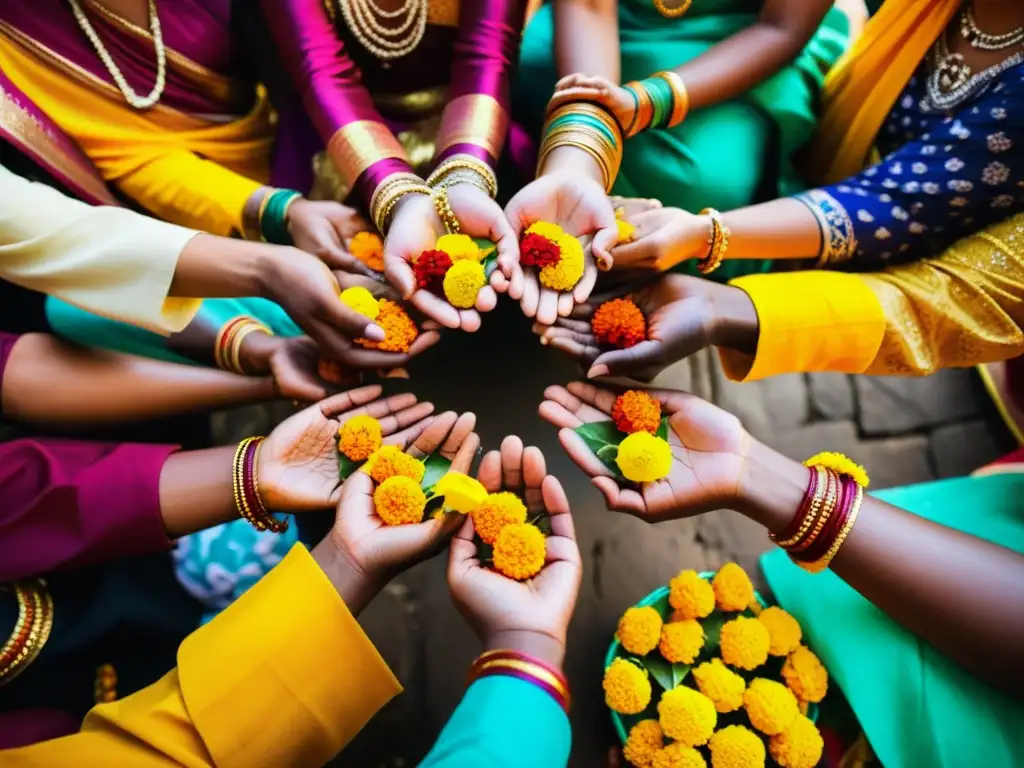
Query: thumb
623	362
604	242
399	274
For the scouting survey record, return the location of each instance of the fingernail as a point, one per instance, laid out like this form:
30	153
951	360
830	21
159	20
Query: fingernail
374	332
544	341
597	371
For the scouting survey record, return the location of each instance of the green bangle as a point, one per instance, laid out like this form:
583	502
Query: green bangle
662	99
274	221
588	121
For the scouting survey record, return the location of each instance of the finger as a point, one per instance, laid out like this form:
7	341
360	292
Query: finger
499	282
463	461
489	473
379	409
605	239
424	342
511	462
531	294
399	274
534	471
571	347
581	454
619	499
461	431
560	549
436	308
581	291
469	320
557	415
623	362
486	299
336	404
357	356
294	383
565	304
397	373
433	436
347	222
601	399
515	288
580	329
582	409
557	505
409	435
584	311
405	417
405	543
505	242
547	308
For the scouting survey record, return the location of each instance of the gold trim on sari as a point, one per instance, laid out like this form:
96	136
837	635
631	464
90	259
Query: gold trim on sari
475	118
358	145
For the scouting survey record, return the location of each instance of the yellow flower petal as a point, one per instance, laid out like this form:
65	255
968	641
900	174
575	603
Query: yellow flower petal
461	492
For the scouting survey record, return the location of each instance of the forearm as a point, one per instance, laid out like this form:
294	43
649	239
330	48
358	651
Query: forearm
587	38
781	229
196	490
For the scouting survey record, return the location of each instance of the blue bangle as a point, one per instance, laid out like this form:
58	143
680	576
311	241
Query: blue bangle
273	222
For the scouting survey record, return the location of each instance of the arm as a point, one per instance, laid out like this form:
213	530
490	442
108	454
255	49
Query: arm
273	680
587	38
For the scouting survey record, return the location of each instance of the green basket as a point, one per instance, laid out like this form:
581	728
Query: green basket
658	599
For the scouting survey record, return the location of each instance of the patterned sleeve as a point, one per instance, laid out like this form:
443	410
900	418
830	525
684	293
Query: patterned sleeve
966	173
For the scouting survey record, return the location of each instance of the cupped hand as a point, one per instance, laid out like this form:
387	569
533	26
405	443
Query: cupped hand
664	237
709	450
298	462
292	363
323	227
415	227
533	615
479	216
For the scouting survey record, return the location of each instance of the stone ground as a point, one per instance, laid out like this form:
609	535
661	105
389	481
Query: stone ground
902	430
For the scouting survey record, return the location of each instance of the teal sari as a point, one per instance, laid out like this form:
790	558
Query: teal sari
916	707
725	156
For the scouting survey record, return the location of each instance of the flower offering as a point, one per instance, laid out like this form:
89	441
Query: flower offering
619	323
634	443
515	547
369	249
457	267
399	329
555	253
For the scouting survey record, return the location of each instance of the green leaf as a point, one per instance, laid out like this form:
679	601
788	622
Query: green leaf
602	438
346	466
662	429
434	503
543	522
665	673
487	247
490	263
712	632
437	466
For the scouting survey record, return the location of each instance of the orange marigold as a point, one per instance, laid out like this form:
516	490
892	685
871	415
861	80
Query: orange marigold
399	501
636	411
359	437
691	596
619	323
391	461
519	551
330	370
805	675
497	511
369	249
399	329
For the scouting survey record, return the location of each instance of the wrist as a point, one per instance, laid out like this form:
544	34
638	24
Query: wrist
570	160
410	201
771	487
734	323
255	353
354	586
540	645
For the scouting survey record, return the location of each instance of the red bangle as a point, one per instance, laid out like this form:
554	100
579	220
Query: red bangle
831	530
252	493
524	667
794	525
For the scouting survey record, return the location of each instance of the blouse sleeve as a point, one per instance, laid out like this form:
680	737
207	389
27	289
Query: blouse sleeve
475	120
362	147
273	680
964	175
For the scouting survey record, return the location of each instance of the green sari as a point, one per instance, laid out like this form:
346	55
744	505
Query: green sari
725	156
916	707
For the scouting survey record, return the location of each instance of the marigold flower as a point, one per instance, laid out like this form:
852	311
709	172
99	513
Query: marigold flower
497	511
330	370
619	323
839	463
459	247
681	641
636	411
519	551
691	596
463	282
744	643
783	629
461	492
736	747
538	251
678	756
399	329
720	684
645	738
627	688
799	745
805	675
399	501
771	706
392	461
360	300
733	590
644	458
626	231
429	269
564	275
359	437
369	249
639	629
545	229
686	715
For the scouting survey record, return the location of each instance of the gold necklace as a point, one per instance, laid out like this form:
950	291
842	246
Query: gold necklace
384	42
672	13
139	102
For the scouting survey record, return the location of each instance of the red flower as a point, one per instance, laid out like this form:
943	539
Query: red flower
429	269
538	251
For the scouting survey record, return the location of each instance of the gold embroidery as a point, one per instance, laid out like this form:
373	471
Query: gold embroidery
473	119
417	104
360	144
838	240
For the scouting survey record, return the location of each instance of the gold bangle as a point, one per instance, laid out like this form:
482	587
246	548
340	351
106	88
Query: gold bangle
820	565
235	359
680	97
832	494
463	177
812	512
608	157
35	609
465	162
389	183
391	199
534	670
577	140
444	210
718	242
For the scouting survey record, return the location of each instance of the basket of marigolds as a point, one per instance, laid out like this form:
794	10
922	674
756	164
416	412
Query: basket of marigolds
703	672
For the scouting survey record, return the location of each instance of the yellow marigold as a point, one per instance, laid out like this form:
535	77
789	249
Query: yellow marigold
691	596
458	247
399	501
359	437
783	629
839	463
736	747
720	684
369	249
399	329
626	231
771	706
564	275
390	461
461	492
805	675
681	641
462	282
497	511
733	590
639	629
645	738
686	715
360	300
644	458
627	688
678	756
545	229
744	642
519	551
799	745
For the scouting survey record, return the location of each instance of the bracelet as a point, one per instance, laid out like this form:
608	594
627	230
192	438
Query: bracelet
463	177
444	210
820	565
390	197
524	667
388	185
798	526
273	216
228	344
833	493
718	242
466	163
588	127
245	487
31	630
662	101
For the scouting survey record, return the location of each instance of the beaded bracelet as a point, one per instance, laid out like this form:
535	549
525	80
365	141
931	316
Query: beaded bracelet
31	630
245	487
227	348
474	166
444	210
718	242
523	667
273	216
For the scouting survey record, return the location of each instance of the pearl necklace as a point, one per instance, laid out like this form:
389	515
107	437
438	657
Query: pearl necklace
983	41
361	19
139	102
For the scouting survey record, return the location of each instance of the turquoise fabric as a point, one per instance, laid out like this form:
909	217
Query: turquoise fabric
503	722
916	707
717	157
91	330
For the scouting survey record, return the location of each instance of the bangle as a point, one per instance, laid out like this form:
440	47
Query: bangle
808	511
228	344
386	197
588	127
820	565
524	667
466	163
273	216
245	487
31	630
662	101
718	242
816	550
833	490
444	210
680	98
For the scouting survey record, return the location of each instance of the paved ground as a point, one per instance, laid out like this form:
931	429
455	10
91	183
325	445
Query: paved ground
903	430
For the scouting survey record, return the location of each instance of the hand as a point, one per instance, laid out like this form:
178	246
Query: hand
531	616
628	207
709	451
415	227
479	216
298	463
684	315
664	237
614	98
322	229
292	362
